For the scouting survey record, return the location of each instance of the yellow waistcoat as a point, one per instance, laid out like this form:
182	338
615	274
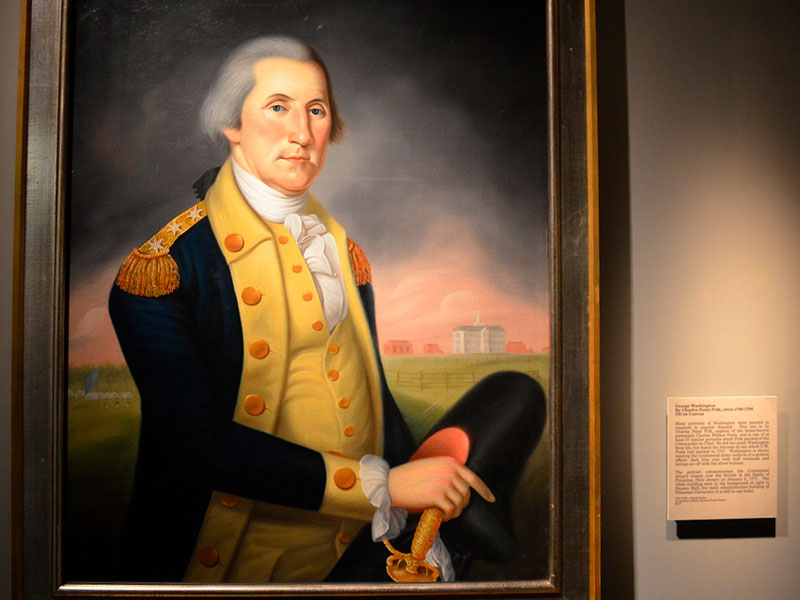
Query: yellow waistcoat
300	383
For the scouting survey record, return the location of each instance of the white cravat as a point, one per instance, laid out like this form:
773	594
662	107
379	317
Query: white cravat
315	242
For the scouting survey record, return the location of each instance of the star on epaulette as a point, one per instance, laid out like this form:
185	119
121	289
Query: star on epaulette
174	228
195	213
358	261
149	270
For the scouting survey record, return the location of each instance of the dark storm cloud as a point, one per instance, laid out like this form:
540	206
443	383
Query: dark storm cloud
445	105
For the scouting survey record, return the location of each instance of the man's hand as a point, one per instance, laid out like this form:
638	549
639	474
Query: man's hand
440	482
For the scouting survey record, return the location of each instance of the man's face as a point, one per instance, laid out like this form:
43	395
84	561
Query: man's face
285	126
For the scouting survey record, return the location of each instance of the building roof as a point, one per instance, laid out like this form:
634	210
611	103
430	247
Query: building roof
480	328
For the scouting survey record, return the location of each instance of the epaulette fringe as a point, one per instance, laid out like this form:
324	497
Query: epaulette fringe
149	270
148	275
359	263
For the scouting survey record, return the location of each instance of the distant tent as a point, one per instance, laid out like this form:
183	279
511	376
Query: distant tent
91	381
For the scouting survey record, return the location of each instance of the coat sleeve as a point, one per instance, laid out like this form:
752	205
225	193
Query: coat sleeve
188	436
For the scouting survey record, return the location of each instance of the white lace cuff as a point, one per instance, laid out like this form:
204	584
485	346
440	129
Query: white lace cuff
439	555
388	522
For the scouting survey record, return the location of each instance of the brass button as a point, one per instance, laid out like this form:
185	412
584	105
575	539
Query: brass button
283	239
208	556
317	325
297	267
333	349
333	374
344	478
258	348
344	539
337	453
344	402
234	242
254	404
251	295
229	500
349	431
307	296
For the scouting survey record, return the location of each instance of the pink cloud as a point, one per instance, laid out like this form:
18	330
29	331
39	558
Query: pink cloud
92	340
422	297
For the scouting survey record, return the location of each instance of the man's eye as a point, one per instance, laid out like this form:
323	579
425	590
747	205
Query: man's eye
317	112
277	108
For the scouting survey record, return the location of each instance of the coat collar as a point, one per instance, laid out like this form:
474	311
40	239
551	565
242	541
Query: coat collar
230	215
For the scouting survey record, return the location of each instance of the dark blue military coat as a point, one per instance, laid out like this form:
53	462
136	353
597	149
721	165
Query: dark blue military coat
184	350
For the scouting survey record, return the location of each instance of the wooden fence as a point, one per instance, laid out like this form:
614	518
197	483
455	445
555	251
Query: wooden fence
426	380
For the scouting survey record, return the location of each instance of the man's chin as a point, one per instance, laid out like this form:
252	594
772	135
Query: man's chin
293	188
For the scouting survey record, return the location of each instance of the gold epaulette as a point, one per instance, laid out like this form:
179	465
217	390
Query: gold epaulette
149	270
358	260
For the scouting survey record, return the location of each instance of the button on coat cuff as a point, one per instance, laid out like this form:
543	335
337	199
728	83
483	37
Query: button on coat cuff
343	495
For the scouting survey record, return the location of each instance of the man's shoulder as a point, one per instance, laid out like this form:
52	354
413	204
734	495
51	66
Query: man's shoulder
150	270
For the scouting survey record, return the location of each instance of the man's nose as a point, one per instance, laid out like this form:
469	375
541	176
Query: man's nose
300	129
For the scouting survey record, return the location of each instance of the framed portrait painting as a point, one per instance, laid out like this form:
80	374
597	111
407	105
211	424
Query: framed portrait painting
306	300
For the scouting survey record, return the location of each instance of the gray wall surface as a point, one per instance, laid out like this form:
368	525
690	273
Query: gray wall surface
700	250
700	215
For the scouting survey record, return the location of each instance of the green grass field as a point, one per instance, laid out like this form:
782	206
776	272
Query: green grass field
102	437
102	440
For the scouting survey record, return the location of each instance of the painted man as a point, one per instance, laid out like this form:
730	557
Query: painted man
269	438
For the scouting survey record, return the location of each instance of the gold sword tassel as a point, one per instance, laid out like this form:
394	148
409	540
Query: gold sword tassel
411	567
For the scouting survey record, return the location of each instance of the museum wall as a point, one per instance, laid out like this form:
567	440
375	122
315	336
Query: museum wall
700	255
700	251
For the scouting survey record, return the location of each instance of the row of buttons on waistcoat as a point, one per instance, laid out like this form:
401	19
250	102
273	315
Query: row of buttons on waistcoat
307	295
333	375
259	348
343	402
252	296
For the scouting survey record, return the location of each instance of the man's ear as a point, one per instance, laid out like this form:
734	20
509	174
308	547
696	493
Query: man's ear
233	135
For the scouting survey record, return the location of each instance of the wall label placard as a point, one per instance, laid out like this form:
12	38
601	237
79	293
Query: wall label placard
722	458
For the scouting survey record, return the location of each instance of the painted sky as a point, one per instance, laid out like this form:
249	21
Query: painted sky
441	177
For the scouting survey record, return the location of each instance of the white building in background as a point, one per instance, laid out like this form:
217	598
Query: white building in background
479	338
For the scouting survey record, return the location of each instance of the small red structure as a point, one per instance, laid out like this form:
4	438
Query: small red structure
518	348
397	347
432	349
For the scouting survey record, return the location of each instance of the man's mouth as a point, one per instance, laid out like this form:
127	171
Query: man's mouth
296	158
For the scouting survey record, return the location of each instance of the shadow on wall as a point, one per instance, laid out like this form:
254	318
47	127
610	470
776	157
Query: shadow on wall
615	312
